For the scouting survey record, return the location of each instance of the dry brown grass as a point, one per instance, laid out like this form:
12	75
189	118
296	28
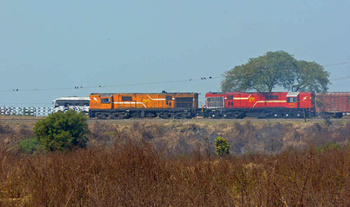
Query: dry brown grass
171	164
247	137
135	174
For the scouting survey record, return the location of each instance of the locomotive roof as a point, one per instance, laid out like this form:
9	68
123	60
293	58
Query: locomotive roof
170	93
292	94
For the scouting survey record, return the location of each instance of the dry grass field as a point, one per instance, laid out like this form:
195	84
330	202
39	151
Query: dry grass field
173	164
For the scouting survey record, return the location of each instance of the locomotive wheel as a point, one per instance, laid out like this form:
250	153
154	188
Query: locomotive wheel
164	115
119	116
172	116
227	116
299	114
215	116
237	116
109	116
101	115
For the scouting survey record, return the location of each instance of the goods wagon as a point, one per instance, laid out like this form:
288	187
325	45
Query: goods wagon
138	105
269	105
334	104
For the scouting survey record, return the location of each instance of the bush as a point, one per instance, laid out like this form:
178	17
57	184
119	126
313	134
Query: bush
29	145
327	147
221	146
62	131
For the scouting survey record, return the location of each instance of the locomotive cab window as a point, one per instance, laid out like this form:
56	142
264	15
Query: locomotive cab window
169	98
105	100
291	99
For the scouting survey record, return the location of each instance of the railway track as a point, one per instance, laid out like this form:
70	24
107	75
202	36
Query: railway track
156	120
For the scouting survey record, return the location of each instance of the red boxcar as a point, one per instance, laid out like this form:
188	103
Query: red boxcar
274	105
335	104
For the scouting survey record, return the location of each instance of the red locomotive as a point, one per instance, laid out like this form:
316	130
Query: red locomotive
273	105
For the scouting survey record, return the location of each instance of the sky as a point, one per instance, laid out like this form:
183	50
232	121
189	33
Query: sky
50	49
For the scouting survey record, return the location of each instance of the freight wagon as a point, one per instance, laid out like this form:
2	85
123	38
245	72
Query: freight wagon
262	105
334	104
139	105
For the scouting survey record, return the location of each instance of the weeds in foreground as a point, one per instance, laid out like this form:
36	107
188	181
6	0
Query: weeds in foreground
174	165
135	174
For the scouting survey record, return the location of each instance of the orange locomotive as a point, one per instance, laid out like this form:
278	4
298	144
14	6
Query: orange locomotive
138	105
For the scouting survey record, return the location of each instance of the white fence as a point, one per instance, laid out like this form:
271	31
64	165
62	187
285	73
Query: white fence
25	111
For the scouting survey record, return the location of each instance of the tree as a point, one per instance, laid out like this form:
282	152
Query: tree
276	69
221	146
62	131
308	76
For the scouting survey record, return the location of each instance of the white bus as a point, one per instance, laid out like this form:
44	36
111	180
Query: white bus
78	104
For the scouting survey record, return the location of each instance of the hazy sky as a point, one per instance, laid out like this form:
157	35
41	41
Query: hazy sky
50	47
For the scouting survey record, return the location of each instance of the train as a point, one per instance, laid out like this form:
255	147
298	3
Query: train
218	105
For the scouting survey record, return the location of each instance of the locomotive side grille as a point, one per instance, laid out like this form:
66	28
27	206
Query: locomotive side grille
215	102
186	102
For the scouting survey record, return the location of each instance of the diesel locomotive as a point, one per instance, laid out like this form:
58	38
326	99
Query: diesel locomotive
138	105
262	105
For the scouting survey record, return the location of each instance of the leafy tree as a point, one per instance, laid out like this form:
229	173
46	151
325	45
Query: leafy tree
308	76
276	69
221	146
62	131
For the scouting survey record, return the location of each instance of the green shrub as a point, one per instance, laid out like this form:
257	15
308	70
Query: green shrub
327	147
221	146
29	145
62	131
